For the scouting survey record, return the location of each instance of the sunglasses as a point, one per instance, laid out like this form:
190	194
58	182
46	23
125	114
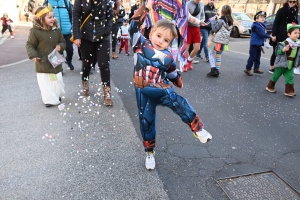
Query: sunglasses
292	1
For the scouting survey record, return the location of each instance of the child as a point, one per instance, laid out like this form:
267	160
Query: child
258	34
43	38
287	57
154	67
217	47
6	24
123	34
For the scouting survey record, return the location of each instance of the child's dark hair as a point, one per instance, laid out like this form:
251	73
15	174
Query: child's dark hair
41	20
226	14
166	24
292	29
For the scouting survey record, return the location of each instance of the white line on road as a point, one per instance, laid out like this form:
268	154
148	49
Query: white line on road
15	63
247	54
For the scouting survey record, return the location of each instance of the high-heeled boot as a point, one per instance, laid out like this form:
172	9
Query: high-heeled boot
85	88
107	96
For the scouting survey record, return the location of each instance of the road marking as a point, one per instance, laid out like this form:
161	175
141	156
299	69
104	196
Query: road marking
246	54
15	63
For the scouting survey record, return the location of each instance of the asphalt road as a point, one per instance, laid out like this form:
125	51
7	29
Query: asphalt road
253	131
88	151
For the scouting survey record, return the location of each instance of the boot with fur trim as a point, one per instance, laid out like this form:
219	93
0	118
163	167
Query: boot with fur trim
271	86
289	90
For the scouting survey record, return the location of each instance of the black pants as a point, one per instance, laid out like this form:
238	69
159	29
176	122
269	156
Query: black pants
91	49
114	34
69	47
5	27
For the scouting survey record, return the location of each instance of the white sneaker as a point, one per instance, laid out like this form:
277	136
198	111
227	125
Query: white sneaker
12	37
297	70
150	161
267	44
195	60
203	136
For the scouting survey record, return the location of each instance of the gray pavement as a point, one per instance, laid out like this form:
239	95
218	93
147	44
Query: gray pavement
89	151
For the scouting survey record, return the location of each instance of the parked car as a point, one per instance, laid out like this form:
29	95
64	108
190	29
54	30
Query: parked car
242	23
270	21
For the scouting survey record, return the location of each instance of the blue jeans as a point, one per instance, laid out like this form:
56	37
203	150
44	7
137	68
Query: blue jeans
204	34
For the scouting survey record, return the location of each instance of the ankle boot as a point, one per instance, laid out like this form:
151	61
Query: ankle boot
69	63
271	86
107	96
214	72
289	90
85	88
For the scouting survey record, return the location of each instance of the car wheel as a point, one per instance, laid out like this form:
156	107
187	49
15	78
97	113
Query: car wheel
235	32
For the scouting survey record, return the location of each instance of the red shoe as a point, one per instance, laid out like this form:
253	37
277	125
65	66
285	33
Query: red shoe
184	69
189	65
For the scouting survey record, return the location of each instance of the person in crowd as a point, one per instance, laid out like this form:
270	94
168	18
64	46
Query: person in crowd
258	36
63	13
94	38
154	67
222	28
196	9
288	13
119	13
6	25
44	37
209	11
133	9
288	55
123	34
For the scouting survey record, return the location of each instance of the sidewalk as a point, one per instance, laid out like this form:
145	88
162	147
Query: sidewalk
13	50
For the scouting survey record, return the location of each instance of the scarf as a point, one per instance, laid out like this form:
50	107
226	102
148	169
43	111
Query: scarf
293	44
293	14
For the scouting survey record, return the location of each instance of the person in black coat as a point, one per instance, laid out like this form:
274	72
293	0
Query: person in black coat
94	39
119	12
285	15
133	9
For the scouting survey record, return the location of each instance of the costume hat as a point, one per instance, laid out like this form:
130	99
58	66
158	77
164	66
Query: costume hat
292	25
263	13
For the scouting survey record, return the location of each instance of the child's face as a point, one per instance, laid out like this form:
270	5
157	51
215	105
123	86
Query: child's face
294	35
49	19
261	18
161	38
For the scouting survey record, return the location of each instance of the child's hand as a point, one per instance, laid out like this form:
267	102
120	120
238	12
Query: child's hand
203	24
57	47
286	48
35	59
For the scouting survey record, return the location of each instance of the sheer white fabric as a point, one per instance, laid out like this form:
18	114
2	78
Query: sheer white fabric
51	89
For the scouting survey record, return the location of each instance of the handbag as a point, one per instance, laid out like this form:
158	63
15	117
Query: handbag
223	35
72	37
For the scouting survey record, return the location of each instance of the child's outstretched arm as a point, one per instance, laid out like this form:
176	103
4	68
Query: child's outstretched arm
136	21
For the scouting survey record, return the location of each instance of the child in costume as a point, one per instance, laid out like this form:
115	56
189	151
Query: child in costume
258	34
154	67
287	58
123	34
6	24
217	47
43	38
